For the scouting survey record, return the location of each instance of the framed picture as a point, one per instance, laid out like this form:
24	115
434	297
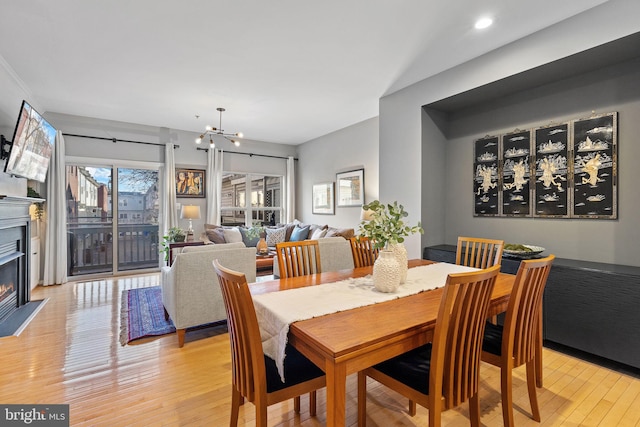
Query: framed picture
190	183
350	188
552	181
486	191
516	173
595	168
323	199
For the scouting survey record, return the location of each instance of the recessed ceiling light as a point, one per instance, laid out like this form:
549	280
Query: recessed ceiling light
483	23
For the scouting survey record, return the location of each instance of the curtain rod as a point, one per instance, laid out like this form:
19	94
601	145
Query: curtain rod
114	140
248	154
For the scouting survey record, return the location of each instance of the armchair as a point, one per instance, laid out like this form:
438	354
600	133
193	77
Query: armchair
190	289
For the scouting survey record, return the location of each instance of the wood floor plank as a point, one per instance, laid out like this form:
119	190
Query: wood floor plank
70	353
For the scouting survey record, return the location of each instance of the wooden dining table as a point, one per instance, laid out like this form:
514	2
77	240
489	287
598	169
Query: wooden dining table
348	341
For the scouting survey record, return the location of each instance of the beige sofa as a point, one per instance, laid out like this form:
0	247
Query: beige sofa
190	290
335	254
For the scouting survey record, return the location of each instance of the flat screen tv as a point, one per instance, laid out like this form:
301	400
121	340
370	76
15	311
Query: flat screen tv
32	146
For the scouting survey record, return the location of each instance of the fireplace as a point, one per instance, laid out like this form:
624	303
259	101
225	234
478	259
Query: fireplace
14	249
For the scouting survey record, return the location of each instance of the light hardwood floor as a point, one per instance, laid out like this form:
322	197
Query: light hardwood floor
70	353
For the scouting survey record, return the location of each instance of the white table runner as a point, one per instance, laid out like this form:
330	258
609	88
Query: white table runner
277	310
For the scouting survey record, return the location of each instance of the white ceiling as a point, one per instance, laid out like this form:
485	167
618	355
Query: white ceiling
287	71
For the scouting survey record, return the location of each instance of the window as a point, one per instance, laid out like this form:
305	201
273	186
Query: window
250	198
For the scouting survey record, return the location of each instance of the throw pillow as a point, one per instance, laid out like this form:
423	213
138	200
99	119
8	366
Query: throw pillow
275	235
211	226
232	235
347	233
289	229
318	233
299	234
315	227
248	241
216	235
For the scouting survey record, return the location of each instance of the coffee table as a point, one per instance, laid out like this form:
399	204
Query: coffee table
264	263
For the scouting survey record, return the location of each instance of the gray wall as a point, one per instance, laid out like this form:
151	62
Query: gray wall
606	90
350	148
406	142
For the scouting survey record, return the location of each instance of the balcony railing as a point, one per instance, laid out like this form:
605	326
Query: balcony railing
90	247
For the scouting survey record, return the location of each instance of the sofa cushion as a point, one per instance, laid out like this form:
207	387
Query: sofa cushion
232	235
275	235
216	235
315	227
248	241
318	233
347	233
208	248
299	234
289	229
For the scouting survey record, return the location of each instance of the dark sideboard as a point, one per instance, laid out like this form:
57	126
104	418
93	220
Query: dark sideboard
589	306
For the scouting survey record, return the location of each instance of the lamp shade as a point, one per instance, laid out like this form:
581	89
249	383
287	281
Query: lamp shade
366	215
190	212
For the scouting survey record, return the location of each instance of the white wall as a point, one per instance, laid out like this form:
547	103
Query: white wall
402	146
186	156
13	91
354	147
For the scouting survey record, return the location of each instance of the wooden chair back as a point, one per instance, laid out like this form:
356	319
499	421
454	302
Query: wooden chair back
457	341
247	357
521	335
479	253
521	331
364	254
298	258
455	353
249	370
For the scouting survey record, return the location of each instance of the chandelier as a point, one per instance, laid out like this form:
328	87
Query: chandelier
210	130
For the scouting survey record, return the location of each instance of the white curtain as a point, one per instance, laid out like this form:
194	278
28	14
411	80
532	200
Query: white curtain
214	185
55	254
169	207
290	191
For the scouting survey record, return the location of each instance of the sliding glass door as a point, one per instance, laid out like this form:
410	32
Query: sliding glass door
112	214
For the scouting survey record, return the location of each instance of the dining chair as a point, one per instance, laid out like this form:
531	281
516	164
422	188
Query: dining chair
298	258
479	253
519	340
443	374
254	375
363	251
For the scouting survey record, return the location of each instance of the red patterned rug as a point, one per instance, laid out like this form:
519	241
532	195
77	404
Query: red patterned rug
142	315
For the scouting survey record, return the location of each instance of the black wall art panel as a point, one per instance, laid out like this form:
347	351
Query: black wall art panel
595	167
565	170
516	173
486	178
551	188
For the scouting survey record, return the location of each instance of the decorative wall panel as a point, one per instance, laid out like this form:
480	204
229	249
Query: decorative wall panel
551	160
516	173
486	188
595	167
566	170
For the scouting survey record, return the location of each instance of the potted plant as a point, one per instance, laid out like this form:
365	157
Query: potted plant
386	228
39	206
386	225
174	235
257	231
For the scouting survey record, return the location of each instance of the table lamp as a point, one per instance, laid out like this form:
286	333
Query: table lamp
190	212
366	215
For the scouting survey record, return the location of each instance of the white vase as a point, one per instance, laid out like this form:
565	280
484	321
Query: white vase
386	272
400	252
